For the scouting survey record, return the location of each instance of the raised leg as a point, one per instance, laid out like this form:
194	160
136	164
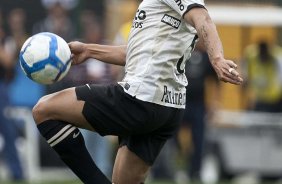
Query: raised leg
57	117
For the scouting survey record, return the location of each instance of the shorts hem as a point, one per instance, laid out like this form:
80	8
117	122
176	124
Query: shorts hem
150	163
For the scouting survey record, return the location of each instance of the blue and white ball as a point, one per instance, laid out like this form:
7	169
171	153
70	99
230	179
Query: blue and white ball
45	58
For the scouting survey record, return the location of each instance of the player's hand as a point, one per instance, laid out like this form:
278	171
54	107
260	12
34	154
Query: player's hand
226	71
78	50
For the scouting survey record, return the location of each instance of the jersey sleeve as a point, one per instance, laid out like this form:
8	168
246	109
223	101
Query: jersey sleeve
183	6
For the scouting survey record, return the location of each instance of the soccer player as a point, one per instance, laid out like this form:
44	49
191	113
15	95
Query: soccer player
145	109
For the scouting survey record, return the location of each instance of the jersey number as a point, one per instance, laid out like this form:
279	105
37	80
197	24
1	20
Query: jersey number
180	65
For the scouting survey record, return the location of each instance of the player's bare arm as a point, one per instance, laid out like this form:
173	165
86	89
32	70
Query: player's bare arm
225	69
109	54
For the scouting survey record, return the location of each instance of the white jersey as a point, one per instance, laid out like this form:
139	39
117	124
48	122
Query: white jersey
160	42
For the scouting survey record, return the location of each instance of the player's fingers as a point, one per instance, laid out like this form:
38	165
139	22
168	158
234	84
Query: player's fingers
234	75
73	59
233	72
240	79
73	62
231	64
75	47
230	80
77	59
230	75
70	44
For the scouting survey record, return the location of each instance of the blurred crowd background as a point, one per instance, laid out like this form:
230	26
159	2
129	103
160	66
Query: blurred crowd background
231	133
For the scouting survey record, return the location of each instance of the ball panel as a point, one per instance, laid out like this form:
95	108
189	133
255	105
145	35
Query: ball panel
37	49
37	66
64	73
63	52
58	46
45	76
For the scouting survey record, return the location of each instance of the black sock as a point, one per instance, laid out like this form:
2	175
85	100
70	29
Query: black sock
68	142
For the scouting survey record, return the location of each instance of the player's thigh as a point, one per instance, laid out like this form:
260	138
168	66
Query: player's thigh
129	168
63	106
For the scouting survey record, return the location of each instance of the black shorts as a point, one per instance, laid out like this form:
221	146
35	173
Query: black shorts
142	126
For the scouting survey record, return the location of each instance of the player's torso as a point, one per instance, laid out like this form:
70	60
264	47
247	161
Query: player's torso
159	44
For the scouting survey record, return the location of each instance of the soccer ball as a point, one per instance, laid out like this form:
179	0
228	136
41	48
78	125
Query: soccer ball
45	58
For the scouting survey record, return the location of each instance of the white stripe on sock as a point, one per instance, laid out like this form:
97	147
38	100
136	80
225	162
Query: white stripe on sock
59	134
63	136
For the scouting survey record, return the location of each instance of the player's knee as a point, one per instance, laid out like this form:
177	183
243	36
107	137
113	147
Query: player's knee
40	110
